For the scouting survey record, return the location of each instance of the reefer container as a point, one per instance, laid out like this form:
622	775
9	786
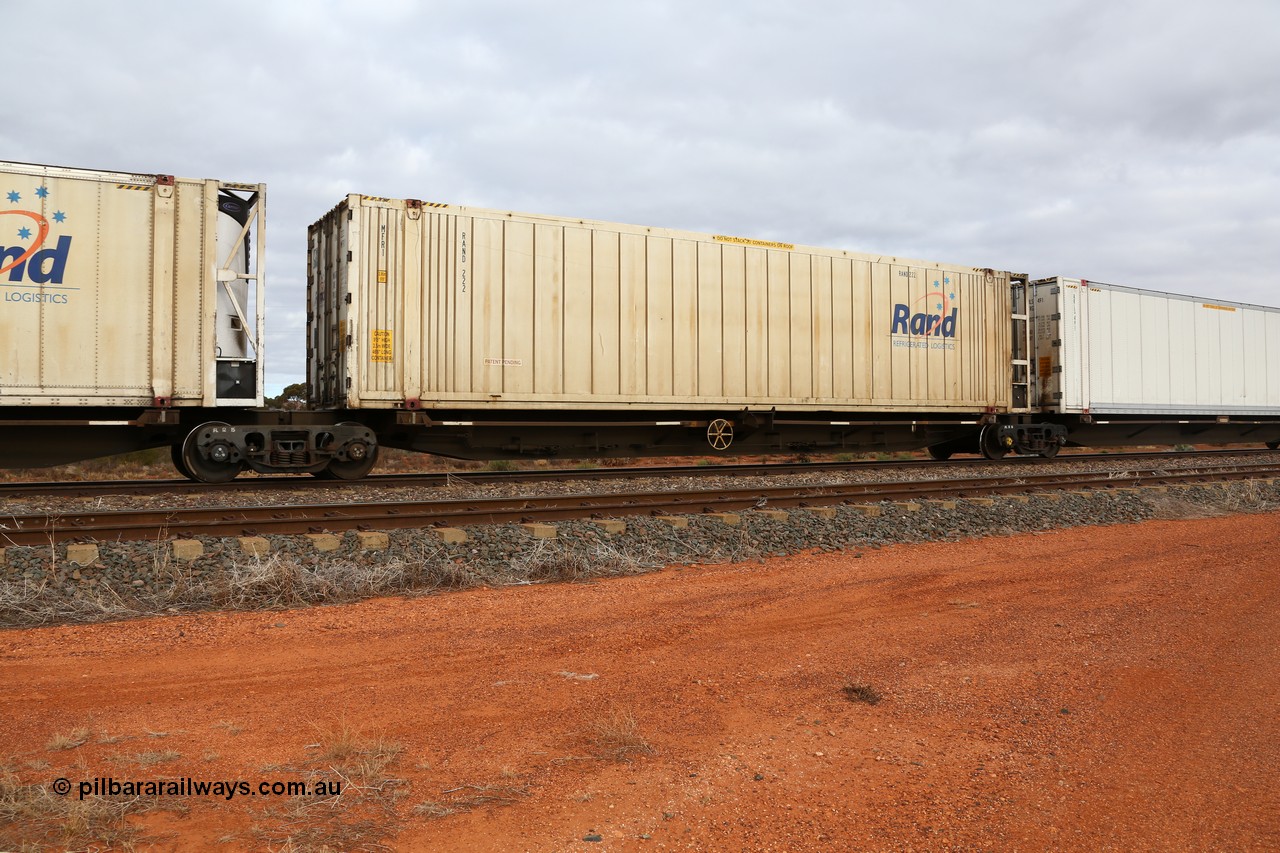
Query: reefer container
128	289
415	304
1104	349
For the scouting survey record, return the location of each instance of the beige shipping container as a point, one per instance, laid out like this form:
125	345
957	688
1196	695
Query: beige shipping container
129	289
415	304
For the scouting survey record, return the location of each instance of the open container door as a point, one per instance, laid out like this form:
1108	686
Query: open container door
240	302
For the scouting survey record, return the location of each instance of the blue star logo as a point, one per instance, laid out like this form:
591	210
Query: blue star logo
59	217
935	283
42	192
939	306
14	197
946	279
24	233
951	295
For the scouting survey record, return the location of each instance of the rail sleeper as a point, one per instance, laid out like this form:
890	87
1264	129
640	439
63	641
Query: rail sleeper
186	550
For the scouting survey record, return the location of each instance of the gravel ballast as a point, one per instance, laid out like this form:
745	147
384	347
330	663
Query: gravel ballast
41	585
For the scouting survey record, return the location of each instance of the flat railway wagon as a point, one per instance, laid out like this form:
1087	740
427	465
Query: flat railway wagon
485	334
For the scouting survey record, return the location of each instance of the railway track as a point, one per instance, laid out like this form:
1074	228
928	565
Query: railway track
118	525
252	484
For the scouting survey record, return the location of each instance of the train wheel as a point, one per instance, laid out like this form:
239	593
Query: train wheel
1273	445
940	452
990	443
720	434
180	464
362	458
1050	451
218	466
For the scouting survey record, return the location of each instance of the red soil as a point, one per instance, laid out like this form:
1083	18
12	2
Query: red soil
1092	689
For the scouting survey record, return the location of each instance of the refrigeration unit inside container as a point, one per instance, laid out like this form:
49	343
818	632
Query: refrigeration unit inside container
1103	349
419	305
129	289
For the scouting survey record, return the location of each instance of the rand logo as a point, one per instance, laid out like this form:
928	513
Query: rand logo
933	318
24	253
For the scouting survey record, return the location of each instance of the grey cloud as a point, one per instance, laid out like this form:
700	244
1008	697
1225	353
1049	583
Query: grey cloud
1133	142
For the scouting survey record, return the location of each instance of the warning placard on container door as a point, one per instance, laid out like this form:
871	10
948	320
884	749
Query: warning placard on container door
380	345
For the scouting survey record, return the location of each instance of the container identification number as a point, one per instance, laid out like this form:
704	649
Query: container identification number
462	257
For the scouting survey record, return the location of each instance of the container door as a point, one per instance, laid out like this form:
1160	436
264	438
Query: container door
239	301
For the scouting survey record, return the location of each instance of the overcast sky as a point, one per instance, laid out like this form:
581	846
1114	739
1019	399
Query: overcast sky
1135	143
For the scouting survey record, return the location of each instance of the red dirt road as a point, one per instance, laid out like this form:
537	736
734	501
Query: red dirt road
1091	689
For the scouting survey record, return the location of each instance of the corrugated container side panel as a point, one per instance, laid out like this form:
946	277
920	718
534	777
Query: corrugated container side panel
1208	352
1272	358
606	317
657	298
1078	334
685	324
1182	353
821	318
863	333
714	327
579	329
1233	345
729	275
972	360
899	386
1157	349
1127	380
800	309
457	344
633	332
881	346
842	331
547	351
1253	373
188	301
756	285
486	307
1100	337
442	250
516	342
777	323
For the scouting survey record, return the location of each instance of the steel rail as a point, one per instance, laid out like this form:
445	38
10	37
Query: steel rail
95	488
122	525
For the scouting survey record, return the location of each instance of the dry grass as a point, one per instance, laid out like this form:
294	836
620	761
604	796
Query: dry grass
70	740
361	806
278	582
470	797
33	817
150	758
863	693
615	737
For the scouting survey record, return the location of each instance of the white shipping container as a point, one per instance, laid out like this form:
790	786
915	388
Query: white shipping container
129	290
443	306
1104	349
